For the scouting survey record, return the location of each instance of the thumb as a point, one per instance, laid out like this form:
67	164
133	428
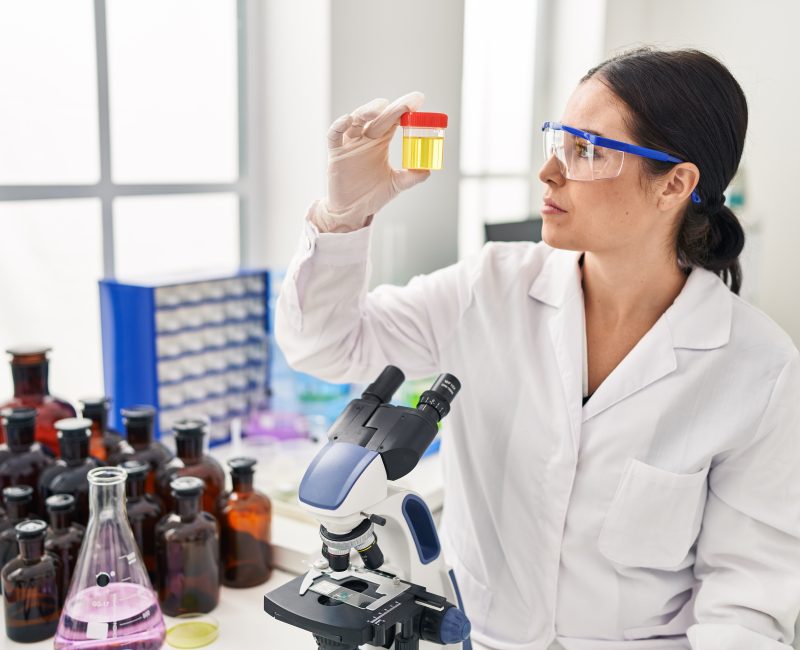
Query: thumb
403	179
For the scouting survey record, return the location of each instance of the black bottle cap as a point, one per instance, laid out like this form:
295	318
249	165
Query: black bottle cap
187	486
74	428
94	405
60	502
17	493
20	425
189	428
30	529
18	416
138	413
135	468
242	465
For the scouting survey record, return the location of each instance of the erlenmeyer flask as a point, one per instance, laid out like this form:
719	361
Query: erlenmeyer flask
111	604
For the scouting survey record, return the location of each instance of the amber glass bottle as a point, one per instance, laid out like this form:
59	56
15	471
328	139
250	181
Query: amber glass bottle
68	474
64	537
29	370
245	517
18	500
21	459
190	460
144	512
31	582
104	442
187	547
138	421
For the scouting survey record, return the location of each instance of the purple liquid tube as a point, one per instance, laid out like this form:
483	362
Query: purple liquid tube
111	603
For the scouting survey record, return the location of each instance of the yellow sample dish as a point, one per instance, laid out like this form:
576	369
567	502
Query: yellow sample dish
193	632
422	153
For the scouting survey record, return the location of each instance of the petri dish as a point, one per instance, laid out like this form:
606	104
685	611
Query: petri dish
192	630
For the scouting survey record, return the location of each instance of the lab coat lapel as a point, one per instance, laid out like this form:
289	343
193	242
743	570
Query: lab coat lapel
558	284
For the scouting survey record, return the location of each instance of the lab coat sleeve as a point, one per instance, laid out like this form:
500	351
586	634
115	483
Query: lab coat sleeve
748	551
327	324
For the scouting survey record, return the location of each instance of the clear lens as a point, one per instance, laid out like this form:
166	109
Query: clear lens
579	159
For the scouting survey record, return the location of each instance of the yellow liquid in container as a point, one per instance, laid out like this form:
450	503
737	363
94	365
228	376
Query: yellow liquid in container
422	153
192	634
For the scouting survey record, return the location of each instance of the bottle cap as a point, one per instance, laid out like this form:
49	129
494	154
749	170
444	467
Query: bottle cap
94	405
20	352
135	468
20	425
430	120
187	486
17	493
74	428
140	412
60	502
18	416
30	529
242	465
189	428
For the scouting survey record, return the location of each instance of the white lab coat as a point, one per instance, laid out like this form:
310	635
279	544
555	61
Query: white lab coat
670	502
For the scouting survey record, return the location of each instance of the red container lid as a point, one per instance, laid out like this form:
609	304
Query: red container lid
429	120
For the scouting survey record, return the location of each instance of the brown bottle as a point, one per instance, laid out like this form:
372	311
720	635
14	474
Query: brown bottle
187	547
64	537
245	517
190	460
19	507
29	370
144	512
31	582
104	442
21	459
139	444
68	474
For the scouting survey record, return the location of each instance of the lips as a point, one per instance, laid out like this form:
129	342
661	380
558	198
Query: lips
551	207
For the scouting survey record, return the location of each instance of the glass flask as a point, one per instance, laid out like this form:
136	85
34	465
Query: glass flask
64	537
138	421
104	442
31	586
190	436
18	500
110	604
144	512
245	518
68	474
29	370
187	548
21	459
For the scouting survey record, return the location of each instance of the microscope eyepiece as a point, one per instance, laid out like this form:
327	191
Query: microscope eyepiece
438	397
385	385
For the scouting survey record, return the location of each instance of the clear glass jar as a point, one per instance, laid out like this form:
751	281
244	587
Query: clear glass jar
423	140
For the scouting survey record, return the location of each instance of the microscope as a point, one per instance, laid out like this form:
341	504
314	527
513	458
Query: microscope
381	580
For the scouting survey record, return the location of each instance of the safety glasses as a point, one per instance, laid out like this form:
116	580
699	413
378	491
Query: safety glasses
584	156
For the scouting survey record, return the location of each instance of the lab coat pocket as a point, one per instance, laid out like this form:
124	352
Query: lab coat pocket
476	597
654	517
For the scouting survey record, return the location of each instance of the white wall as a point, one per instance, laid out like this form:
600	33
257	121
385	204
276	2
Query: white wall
758	42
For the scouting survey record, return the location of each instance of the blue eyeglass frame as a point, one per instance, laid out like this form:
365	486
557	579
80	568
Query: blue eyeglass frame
617	145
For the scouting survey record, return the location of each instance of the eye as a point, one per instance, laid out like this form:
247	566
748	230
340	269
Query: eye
583	148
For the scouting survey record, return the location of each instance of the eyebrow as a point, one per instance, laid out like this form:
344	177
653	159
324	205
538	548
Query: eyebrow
597	133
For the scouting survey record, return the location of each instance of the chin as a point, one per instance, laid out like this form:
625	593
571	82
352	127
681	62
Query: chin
558	235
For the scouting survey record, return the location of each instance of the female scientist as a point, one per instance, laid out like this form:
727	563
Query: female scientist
622	466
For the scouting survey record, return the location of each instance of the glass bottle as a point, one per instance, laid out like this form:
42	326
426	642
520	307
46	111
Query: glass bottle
64	537
68	474
245	518
138	422
110	603
21	459
31	582
187	547
29	370
144	512
104	442
18	500
190	435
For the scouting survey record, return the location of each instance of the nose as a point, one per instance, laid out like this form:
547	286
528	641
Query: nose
550	173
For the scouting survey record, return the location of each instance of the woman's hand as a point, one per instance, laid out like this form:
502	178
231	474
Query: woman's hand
360	179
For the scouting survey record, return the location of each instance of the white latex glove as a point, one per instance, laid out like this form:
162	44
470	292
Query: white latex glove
360	179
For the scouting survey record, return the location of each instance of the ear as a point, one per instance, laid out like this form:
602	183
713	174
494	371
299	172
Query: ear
677	186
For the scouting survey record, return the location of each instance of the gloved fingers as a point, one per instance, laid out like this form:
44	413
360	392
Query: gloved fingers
390	115
402	179
363	114
337	130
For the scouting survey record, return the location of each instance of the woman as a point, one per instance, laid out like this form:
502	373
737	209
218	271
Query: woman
620	464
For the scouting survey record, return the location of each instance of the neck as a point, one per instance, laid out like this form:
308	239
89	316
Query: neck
139	435
17	510
134	489
187	507
31	550
189	450
242	483
60	520
74	452
30	379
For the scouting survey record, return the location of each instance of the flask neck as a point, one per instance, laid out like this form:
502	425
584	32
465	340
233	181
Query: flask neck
187	507
242	483
32	549
60	520
107	499
189	449
30	378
